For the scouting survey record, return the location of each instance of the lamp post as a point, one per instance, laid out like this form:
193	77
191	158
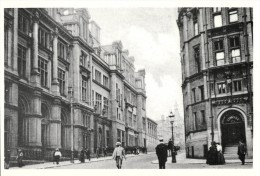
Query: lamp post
171	117
71	124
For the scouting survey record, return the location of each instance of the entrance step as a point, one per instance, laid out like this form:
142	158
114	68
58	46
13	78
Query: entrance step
230	152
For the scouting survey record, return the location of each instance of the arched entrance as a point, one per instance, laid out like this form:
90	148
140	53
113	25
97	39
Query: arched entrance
232	128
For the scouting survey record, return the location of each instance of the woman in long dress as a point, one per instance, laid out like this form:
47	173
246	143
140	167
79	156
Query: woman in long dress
221	159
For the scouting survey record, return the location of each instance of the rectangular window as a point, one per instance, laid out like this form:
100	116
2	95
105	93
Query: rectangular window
98	76
61	79
135	122
118	135
43	70
98	103
7	132
105	81
22	61
235	55
218	45
43	38
62	50
84	88
234	42
217	20
6	44
220	56
222	88
144	126
105	106
7	92
237	85
203	117
23	24
194	95
212	88
195	121
130	120
84	59
201	92
196	28
233	16
197	58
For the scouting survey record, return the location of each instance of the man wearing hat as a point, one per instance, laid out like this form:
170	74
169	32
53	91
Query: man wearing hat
118	155
161	152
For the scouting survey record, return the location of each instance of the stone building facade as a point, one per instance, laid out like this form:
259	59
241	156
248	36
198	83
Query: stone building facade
63	89
217	64
152	139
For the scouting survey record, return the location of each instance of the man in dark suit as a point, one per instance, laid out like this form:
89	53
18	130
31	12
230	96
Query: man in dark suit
161	152
242	151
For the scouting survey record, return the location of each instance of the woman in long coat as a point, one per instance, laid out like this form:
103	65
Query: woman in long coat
212	158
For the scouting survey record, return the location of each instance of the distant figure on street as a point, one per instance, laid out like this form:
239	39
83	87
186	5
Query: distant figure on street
57	156
221	159
161	152
97	152
7	158
212	158
87	153
118	155
105	151
20	157
82	156
242	151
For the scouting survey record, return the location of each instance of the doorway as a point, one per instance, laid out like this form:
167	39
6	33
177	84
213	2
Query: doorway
232	128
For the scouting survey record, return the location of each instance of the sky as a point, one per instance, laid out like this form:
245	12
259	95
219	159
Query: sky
150	35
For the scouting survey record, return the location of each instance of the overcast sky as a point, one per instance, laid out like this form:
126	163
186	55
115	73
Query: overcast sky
151	36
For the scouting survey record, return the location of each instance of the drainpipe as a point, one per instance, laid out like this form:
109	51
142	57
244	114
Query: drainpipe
208	76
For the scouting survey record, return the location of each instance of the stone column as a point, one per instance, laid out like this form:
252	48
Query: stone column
55	125
113	109
10	35
35	72
55	83
15	40
33	121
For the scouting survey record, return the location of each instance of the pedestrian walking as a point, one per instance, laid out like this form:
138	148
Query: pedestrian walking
161	152
97	152
7	158
20	157
221	159
57	156
212	158
82	156
105	151
118	155
87	153
242	151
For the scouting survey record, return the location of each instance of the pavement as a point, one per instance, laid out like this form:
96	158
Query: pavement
181	159
48	165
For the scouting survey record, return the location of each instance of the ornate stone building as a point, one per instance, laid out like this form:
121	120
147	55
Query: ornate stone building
63	89
217	64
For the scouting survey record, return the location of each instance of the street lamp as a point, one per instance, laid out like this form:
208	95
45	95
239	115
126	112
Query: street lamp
171	117
71	123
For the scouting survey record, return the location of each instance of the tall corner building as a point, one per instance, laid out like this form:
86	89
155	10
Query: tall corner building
217	76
